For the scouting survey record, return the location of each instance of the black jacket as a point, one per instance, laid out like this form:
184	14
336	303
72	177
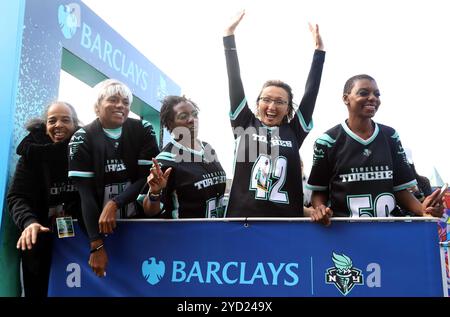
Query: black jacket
28	195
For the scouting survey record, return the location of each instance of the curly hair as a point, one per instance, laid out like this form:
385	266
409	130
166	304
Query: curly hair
32	123
167	115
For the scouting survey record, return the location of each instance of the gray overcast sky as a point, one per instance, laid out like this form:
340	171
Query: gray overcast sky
403	44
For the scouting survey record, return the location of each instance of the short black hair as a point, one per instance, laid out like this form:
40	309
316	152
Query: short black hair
167	114
350	83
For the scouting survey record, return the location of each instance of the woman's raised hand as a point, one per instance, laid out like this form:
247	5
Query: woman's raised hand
314	29
234	23
157	180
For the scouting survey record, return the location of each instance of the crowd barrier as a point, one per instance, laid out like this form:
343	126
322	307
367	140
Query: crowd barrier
257	258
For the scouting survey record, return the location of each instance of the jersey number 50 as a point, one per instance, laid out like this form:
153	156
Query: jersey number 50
364	206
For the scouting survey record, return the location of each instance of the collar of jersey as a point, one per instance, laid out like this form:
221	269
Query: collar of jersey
113	133
358	138
269	128
178	145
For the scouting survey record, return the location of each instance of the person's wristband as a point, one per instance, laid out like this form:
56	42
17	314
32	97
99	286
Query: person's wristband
154	197
97	248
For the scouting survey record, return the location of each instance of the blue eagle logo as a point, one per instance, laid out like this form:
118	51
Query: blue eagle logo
152	271
69	19
161	90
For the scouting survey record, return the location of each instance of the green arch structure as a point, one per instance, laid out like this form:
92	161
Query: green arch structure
39	39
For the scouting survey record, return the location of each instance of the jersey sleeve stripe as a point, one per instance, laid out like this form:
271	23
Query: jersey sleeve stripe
395	136
145	123
75	142
235	114
81	174
316	188
144	162
405	186
140	199
326	138
321	142
166	156
163	158
301	120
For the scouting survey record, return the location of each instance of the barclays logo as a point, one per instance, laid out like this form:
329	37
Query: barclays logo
229	273
153	272
162	88
69	19
102	49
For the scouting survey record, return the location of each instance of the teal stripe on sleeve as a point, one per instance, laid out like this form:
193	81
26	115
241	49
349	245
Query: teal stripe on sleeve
145	162
301	120
140	199
405	186
166	156
235	114
81	174
316	188
326	140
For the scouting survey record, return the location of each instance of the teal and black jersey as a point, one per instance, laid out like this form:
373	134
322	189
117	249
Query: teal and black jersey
111	164
196	183
360	176
267	179
116	176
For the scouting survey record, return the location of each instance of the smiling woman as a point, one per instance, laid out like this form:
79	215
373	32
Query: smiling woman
186	176
267	172
61	121
280	52
41	191
274	104
108	161
113	104
360	168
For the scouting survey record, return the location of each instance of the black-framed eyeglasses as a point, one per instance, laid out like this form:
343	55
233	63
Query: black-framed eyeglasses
267	101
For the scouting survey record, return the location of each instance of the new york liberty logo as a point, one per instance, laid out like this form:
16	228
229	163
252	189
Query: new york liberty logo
343	275
153	272
69	19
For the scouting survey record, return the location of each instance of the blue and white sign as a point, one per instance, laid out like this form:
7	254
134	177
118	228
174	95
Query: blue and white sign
51	26
35	35
72	25
263	258
69	19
